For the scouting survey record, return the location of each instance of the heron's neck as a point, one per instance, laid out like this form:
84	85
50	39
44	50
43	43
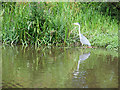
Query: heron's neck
79	32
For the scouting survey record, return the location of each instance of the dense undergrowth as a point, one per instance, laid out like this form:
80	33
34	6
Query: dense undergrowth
46	23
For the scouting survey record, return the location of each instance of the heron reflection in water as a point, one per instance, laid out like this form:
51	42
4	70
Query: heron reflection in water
81	59
79	79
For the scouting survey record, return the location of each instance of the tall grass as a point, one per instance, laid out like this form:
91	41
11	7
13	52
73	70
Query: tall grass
48	23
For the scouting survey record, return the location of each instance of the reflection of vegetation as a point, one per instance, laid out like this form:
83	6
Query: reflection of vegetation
47	23
43	65
104	52
53	67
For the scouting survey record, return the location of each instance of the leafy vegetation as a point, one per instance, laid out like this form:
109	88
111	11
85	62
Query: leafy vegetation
46	23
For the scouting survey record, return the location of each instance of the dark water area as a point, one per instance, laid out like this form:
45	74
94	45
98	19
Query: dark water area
59	67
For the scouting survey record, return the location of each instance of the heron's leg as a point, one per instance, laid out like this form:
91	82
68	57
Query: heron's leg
82	45
82	51
78	65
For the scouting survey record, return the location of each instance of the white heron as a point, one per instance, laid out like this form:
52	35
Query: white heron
83	39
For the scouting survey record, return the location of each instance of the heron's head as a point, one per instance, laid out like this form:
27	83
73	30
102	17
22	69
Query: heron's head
76	23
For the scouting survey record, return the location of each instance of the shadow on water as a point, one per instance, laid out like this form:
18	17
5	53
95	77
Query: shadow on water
57	67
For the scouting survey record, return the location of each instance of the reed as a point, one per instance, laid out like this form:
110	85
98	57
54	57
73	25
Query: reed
48	23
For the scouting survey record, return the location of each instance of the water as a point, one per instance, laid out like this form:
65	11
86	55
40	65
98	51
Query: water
57	67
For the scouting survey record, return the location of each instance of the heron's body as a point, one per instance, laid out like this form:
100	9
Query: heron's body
83	39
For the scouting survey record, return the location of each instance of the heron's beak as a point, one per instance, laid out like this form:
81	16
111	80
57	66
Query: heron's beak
75	23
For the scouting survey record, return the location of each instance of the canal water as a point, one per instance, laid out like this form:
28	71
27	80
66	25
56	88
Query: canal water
58	67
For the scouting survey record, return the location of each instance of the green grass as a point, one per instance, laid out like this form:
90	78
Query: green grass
51	24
